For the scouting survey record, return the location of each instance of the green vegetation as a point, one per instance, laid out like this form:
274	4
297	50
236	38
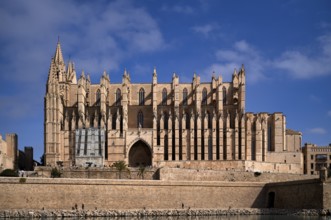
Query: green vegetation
141	171
120	167
9	173
22	180
55	173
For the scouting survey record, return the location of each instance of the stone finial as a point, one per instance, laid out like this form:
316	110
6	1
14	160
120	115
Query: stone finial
83	74
242	68
58	57
235	72
154	72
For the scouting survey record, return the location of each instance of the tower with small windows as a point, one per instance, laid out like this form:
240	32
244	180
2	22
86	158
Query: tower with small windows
193	124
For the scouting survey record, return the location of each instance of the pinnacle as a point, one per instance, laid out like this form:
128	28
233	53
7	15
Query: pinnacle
58	57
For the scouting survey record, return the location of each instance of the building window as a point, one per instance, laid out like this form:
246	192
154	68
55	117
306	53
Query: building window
113	120
312	157
185	97
312	172
97	98
118	97
312	166
164	96
141	96
204	96
140	120
224	96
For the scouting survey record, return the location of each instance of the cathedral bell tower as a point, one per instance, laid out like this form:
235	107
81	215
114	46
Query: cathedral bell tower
56	97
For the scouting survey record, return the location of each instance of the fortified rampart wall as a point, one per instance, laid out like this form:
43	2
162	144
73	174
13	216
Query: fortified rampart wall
310	194
172	174
38	193
232	165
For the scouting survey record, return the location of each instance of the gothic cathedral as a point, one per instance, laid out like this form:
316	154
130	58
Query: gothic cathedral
161	124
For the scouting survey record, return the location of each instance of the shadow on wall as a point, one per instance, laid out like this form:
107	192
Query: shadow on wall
304	194
260	201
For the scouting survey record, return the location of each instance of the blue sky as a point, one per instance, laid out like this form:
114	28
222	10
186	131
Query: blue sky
284	45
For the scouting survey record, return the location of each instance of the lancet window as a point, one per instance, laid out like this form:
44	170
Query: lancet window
185	97
140	119
204	96
164	96
118	97
141	96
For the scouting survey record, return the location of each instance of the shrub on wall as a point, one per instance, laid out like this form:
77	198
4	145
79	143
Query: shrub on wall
55	173
22	180
9	172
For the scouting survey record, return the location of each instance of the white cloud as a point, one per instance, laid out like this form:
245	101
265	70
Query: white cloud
206	29
317	131
303	66
106	32
241	53
95	36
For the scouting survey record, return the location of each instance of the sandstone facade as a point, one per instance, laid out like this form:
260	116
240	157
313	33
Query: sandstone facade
8	152
157	123
316	157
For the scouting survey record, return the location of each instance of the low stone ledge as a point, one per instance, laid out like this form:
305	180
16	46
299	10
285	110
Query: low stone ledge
158	212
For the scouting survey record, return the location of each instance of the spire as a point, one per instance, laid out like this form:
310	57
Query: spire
235	72
242	68
125	72
58	57
154	72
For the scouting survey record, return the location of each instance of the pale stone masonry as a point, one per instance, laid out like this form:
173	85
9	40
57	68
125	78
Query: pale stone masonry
8	152
157	123
316	157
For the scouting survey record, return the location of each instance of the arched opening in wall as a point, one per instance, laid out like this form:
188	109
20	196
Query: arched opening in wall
140	155
164	96
271	200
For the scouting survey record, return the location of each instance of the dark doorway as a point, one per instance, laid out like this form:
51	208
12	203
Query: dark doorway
271	199
140	155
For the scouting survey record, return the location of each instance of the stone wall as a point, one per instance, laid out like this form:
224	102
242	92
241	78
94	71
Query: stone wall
232	165
98	173
296	194
37	193
233	175
327	194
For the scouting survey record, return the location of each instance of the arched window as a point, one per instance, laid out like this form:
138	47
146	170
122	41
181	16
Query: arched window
97	97
141	96
204	96
140	119
185	97
118	97
224	96
164	96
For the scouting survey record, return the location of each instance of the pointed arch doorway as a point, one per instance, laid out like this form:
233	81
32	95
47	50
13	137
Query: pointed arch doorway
140	155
